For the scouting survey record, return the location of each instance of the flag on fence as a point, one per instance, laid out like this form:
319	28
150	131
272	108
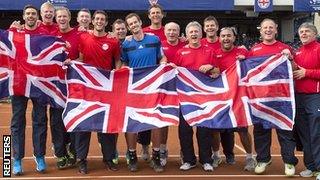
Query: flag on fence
126	100
30	65
256	90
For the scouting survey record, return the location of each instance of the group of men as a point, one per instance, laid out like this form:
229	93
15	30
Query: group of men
157	44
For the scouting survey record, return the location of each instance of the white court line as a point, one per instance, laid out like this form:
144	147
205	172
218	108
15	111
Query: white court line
8	127
170	156
155	176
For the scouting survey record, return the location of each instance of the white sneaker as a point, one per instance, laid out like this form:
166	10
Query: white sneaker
207	167
318	176
186	166
261	167
289	169
216	161
306	173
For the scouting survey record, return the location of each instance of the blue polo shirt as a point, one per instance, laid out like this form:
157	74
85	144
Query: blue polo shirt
146	52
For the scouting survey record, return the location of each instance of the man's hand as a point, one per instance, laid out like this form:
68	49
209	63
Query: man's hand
287	53
16	25
214	72
183	38
299	73
205	68
172	64
67	62
82	29
240	57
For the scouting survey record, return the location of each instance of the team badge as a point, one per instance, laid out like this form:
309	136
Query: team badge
263	4
105	47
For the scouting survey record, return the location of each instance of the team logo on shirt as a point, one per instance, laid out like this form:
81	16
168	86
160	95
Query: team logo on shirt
256	49
105	46
185	52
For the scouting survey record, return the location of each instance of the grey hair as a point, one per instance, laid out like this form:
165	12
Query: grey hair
173	23
194	24
308	25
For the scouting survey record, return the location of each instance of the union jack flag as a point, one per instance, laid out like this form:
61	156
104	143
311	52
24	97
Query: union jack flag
125	100
31	66
256	90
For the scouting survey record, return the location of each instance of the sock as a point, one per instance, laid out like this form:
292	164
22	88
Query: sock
156	149
163	147
216	153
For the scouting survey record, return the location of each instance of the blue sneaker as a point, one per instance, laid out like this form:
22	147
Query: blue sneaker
41	164
17	168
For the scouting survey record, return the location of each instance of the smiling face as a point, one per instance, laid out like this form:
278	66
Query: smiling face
307	35
172	31
30	16
227	39
134	25
63	20
268	31
120	30
47	14
99	22
84	19
155	15
194	36
210	28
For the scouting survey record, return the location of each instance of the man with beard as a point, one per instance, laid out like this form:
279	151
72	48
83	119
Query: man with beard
98	50
140	51
19	106
226	56
262	135
198	57
225	136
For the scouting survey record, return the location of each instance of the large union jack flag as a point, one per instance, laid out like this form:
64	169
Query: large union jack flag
30	65
126	100
256	90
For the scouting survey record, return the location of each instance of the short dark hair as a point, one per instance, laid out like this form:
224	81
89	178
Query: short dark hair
211	18
84	10
155	6
118	21
28	6
132	15
100	12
